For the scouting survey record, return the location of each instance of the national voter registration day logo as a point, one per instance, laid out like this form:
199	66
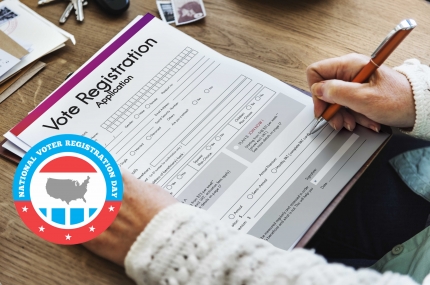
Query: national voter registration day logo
67	189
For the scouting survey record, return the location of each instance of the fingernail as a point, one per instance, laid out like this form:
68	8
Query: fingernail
317	89
348	127
374	128
334	127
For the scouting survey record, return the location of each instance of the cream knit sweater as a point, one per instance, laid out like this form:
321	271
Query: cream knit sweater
185	245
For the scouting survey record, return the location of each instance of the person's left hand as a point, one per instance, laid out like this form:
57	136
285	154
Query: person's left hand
141	202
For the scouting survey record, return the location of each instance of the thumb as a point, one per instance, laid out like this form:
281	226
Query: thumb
348	94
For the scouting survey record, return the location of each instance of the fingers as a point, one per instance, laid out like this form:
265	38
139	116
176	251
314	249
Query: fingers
319	106
342	119
365	121
343	68
126	175
349	119
329	82
348	94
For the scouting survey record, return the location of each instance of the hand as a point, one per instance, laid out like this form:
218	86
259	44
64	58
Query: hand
141	202
385	99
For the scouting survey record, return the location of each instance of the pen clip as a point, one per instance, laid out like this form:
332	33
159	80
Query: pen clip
404	25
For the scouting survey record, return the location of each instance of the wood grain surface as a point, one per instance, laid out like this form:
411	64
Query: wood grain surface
279	37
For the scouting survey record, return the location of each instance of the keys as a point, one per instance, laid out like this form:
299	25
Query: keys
43	2
76	5
69	9
79	9
66	13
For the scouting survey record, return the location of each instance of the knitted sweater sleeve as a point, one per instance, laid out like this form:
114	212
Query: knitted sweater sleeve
185	245
419	77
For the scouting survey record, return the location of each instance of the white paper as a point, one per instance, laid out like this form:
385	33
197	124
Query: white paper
22	80
13	148
17	142
33	29
214	132
7	61
45	21
26	45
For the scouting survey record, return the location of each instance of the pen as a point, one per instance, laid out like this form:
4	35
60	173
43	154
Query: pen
388	45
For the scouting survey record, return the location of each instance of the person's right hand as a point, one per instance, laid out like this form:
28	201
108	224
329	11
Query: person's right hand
385	99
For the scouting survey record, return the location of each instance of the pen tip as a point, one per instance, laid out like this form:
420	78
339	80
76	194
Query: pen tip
315	124
319	124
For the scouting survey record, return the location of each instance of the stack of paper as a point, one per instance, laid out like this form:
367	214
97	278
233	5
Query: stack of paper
11	53
25	36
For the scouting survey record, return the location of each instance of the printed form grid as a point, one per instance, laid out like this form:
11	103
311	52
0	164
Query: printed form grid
149	89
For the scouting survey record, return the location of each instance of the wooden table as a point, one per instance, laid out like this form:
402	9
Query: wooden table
279	37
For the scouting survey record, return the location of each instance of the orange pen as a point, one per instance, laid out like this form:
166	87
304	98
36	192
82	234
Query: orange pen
390	43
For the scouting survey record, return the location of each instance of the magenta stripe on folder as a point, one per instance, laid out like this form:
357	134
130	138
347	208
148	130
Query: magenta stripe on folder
57	95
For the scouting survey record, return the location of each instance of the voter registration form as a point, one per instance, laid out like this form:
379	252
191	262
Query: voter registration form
216	133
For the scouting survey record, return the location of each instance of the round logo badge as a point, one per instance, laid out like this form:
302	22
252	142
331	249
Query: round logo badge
67	189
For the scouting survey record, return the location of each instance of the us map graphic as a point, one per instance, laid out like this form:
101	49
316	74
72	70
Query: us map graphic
67	189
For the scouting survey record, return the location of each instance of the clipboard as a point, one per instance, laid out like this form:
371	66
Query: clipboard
321	218
339	197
